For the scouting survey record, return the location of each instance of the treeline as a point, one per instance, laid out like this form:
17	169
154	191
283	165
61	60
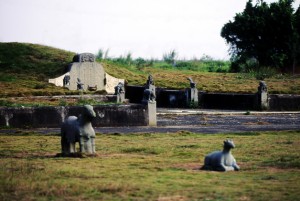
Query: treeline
264	36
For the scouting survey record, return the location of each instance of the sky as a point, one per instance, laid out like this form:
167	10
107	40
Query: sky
144	28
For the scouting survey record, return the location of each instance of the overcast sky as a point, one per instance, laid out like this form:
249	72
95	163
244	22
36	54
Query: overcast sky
145	28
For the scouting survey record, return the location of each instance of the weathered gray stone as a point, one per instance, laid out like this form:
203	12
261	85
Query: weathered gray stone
149	92
66	80
120	92
79	84
79	130
262	96
150	80
90	73
119	88
53	117
152	121
192	96
149	100
84	57
221	160
149	96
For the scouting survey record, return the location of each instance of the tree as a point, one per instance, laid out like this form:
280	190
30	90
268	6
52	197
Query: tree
295	45
263	32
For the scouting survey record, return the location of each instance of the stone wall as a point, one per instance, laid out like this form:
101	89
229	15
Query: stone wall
227	101
284	102
234	101
52	117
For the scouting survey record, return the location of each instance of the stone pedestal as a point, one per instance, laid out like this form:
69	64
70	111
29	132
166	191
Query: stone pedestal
263	101
151	106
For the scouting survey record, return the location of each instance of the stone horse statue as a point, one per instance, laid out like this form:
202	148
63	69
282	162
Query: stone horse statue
221	160
79	130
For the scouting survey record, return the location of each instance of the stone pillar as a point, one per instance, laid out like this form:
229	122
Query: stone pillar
151	107
262	96
149	100
192	97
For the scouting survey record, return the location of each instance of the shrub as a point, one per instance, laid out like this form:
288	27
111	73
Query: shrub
40	86
186	65
263	73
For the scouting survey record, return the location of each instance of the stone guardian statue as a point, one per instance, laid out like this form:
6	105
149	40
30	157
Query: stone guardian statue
79	129
221	160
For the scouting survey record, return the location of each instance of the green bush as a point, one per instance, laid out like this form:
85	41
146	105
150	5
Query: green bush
262	73
186	65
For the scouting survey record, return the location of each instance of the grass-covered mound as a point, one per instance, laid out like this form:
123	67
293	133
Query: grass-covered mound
33	59
150	167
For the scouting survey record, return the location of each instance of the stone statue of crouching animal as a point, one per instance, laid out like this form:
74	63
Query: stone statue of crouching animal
221	160
148	96
79	130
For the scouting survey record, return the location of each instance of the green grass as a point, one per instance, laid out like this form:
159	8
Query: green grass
150	167
23	58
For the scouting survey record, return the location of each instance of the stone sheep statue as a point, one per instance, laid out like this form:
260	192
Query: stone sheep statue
79	130
221	160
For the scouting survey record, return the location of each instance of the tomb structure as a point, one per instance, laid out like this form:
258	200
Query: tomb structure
84	73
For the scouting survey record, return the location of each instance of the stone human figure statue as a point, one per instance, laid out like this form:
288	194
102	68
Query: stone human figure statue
221	160
262	96
120	92
119	88
79	129
79	84
150	80
262	87
66	80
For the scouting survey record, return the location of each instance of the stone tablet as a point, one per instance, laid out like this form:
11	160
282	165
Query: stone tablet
90	73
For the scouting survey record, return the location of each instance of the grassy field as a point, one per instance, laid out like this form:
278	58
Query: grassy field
150	167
